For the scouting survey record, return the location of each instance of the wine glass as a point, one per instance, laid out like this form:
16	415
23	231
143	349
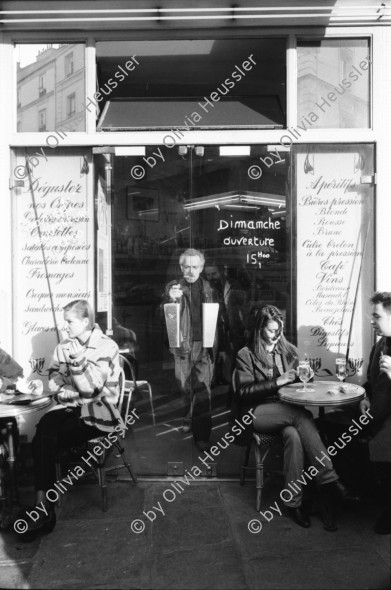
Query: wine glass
304	375
340	368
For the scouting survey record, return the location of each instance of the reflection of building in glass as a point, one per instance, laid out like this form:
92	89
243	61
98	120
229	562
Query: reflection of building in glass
51	90
333	66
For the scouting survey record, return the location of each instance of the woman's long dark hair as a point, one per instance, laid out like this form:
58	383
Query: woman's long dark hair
257	344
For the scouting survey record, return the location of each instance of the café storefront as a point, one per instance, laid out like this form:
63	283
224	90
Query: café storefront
128	141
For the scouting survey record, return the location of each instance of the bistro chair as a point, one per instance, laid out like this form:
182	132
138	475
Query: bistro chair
133	385
100	469
262	444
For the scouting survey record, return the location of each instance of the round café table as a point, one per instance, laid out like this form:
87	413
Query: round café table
23	404
323	394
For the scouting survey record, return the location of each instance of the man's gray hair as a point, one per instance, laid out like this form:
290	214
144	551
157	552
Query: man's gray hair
191	252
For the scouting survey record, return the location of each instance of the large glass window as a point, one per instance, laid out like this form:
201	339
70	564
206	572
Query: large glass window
310	254
47	75
193	83
232	203
333	83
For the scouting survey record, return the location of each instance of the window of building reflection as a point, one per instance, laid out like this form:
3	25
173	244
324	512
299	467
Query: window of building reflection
50	87
333	83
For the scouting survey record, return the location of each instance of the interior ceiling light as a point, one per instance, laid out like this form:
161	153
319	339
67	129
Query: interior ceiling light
244	198
129	150
235	150
278	148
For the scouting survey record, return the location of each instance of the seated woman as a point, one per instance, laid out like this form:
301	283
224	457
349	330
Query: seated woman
266	364
85	373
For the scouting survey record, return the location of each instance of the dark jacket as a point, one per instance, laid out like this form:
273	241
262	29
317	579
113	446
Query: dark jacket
378	386
251	384
379	392
207	296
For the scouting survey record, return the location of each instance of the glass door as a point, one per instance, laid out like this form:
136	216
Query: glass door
232	204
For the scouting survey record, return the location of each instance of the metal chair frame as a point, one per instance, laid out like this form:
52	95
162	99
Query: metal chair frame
260	440
132	385
100	470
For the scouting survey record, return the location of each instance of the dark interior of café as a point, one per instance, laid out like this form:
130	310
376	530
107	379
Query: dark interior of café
204	200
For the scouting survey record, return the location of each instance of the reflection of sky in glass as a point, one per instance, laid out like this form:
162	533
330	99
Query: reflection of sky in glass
26	54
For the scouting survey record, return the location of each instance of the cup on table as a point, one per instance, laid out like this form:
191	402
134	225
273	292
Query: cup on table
305	373
340	368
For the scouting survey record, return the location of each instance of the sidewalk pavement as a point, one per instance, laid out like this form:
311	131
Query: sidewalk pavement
202	541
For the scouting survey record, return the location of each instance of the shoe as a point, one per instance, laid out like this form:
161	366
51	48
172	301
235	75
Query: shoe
202	445
327	501
299	516
329	523
383	524
43	525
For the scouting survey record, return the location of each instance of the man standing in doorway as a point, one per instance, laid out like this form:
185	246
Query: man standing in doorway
378	403
193	362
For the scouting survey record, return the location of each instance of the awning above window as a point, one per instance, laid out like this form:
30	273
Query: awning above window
186	114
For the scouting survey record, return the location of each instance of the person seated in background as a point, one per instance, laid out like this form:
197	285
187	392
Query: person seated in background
10	370
378	403
126	340
85	374
124	337
223	361
266	364
236	298
10	373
